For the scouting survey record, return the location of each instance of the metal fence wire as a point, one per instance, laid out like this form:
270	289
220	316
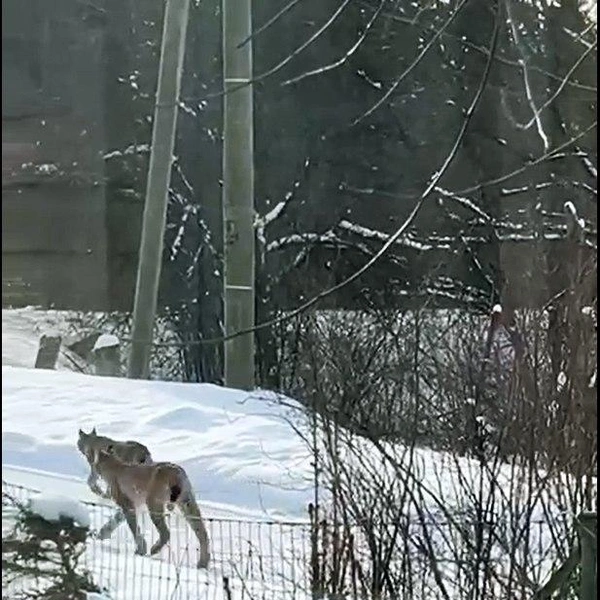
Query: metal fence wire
250	559
287	560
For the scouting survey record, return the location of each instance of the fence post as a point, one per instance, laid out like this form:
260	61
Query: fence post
47	355
106	355
588	530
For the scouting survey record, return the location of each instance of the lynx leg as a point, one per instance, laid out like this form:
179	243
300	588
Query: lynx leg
191	512
140	542
109	527
93	484
157	515
130	516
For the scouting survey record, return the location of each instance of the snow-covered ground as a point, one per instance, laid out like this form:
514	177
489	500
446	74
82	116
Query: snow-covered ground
237	448
260	558
21	332
249	466
54	507
245	462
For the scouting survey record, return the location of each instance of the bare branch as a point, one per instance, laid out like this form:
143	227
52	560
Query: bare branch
346	56
414	63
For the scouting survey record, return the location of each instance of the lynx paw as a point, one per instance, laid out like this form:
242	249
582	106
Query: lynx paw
203	563
158	546
104	533
141	549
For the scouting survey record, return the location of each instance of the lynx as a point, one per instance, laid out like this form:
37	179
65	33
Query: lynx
156	485
128	451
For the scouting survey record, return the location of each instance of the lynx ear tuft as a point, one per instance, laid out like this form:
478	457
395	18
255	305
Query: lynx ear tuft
93	432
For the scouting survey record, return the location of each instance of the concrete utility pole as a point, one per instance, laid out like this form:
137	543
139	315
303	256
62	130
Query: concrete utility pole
159	176
238	193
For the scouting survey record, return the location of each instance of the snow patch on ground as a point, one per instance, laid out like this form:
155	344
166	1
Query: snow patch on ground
96	596
53	508
21	332
241	451
237	448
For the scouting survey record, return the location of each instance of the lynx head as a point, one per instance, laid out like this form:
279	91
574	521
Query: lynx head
85	443
104	462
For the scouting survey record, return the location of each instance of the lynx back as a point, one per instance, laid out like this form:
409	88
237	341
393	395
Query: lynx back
155	485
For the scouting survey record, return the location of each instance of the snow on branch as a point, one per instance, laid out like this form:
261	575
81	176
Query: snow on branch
572	212
55	508
464	202
384	237
589	165
525	188
301	238
526	81
132	149
516	233
260	222
330	237
589	9
176	246
277	210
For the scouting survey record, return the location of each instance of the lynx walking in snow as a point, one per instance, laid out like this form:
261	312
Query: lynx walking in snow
155	485
127	451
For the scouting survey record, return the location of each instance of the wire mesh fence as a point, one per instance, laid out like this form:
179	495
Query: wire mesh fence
294	560
250	559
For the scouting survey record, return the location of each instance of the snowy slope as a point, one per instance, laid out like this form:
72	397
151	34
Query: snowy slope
172	573
241	451
238	449
21	332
